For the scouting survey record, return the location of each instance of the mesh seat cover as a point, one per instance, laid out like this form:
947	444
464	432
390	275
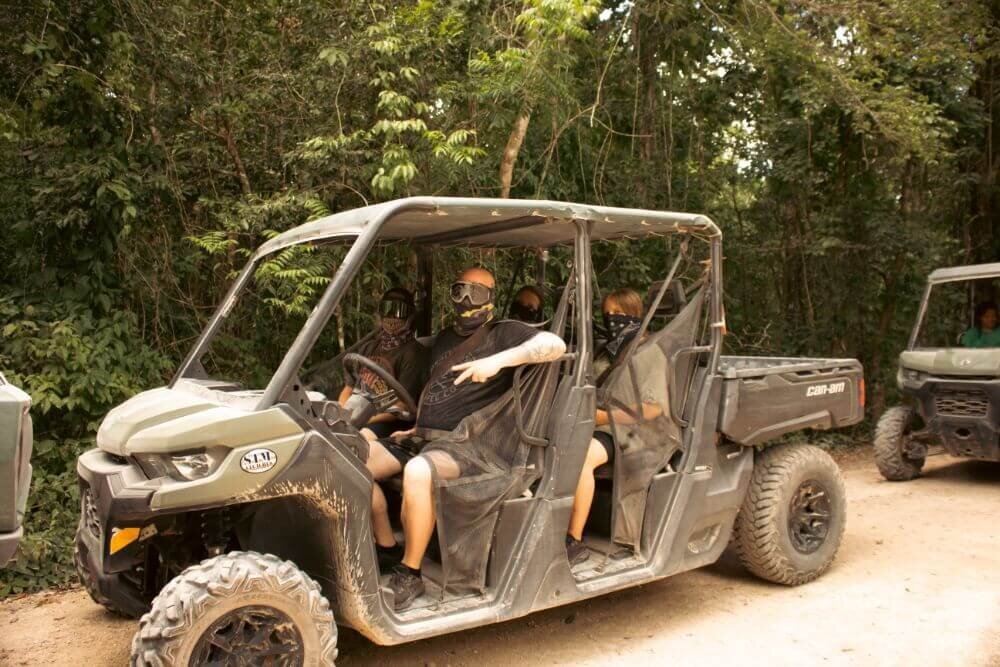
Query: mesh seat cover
644	445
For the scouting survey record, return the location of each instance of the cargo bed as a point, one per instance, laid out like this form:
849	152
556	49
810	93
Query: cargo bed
767	397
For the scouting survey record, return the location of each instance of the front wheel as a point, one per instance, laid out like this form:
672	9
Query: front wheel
129	600
241	608
890	440
792	519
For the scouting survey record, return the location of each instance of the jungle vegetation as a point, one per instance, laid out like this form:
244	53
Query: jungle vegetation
845	147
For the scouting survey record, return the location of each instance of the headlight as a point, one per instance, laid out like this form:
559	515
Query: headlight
910	374
193	466
153	465
189	466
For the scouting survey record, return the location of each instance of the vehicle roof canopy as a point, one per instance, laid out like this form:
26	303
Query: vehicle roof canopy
973	272
490	222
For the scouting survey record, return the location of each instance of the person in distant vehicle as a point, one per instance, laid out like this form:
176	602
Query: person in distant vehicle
622	311
527	305
472	366
985	332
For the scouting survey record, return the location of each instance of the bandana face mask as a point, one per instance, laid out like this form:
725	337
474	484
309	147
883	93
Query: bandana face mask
621	329
468	318
519	311
395	323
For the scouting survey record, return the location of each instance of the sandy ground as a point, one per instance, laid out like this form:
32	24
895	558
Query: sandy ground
916	582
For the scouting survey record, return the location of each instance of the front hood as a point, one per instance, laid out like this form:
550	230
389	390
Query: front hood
142	411
177	419
953	361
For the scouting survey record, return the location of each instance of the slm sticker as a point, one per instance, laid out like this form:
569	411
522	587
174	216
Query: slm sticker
826	389
258	460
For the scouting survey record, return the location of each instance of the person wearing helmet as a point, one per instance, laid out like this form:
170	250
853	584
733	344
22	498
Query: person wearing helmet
396	349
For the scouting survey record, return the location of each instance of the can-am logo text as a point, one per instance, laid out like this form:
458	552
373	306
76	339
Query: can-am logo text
258	460
825	389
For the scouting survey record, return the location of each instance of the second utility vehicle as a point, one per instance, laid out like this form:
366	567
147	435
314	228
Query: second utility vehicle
949	378
237	520
15	466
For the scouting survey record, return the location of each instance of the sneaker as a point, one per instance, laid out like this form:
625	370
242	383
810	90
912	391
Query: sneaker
576	551
406	587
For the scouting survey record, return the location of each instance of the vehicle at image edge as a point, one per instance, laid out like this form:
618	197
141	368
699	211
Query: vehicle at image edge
213	510
951	394
15	466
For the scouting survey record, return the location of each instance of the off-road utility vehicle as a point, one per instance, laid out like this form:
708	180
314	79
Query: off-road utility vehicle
238	519
15	466
951	390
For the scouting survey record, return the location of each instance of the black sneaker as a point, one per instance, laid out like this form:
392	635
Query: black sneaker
576	551
406	587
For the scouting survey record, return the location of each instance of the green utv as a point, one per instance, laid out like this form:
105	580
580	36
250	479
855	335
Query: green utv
949	376
236	517
15	466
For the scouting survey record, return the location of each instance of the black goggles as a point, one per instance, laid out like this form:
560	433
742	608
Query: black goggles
478	294
393	308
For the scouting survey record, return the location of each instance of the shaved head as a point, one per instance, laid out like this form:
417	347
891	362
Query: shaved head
477	275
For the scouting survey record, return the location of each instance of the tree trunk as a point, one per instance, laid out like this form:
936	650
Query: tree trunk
234	153
512	149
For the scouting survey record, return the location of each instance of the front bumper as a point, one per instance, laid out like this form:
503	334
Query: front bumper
961	414
8	545
109	501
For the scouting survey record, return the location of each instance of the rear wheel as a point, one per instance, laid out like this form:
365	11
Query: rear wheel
792	519
891	433
242	608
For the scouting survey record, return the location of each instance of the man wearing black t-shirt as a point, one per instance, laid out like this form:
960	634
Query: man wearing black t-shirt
472	365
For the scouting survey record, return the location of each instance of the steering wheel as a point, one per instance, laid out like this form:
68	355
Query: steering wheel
382	402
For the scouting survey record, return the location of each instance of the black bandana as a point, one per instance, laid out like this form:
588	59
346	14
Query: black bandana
621	330
519	311
469	318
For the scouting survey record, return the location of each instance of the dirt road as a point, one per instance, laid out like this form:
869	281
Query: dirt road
917	582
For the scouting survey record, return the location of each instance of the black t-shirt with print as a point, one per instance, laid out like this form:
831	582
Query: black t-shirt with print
444	404
408	363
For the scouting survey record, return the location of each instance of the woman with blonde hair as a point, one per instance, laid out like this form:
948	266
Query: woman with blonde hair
622	311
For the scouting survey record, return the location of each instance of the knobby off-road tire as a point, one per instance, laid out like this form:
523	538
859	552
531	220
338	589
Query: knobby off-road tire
792	519
890	433
90	585
237	598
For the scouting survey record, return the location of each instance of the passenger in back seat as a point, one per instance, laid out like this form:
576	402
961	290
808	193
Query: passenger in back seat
622	311
527	305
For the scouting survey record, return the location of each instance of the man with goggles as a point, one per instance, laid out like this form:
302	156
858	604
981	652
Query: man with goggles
472	365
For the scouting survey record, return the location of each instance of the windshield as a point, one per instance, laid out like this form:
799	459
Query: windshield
268	314
395	266
961	314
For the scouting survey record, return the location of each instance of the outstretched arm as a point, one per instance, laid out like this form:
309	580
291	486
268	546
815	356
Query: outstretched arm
540	348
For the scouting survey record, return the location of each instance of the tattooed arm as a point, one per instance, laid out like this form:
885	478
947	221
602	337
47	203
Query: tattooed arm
541	347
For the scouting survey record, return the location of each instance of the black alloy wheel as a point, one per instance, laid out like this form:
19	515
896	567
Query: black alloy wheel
246	636
809	516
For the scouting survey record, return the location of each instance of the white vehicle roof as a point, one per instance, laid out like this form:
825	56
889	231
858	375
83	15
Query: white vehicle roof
490	222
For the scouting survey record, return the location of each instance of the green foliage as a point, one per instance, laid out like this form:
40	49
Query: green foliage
146	150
